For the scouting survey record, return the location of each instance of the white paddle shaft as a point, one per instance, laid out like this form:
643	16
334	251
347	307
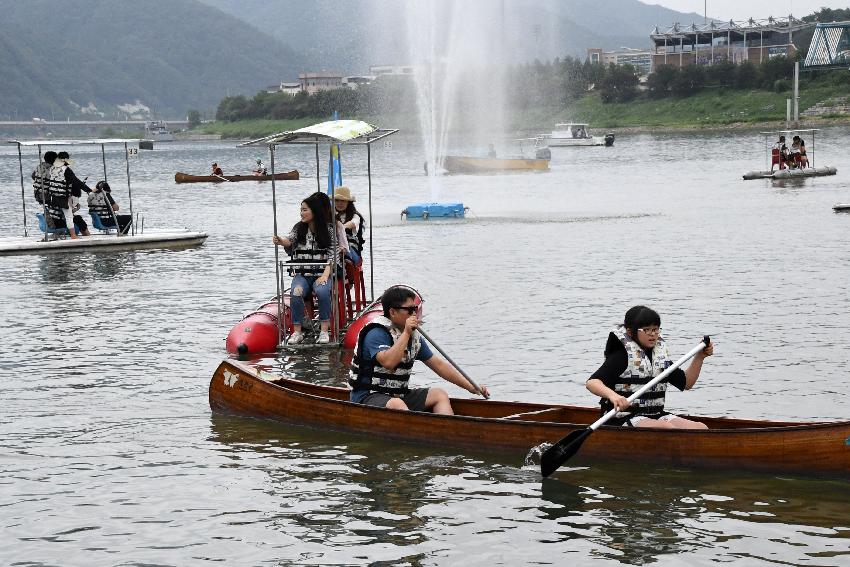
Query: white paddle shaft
642	390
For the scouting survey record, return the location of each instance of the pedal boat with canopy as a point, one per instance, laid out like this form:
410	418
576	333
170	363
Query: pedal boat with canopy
806	449
268	328
49	241
772	159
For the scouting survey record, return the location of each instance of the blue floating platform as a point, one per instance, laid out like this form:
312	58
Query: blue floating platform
435	211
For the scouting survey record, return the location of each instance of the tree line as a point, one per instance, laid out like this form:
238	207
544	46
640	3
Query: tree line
543	85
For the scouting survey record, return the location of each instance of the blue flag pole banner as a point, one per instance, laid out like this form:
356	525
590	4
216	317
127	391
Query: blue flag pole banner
334	169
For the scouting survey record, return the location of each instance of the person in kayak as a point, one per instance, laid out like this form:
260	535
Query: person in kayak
634	354
384	356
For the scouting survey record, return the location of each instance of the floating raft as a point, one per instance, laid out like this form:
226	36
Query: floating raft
791	173
471	164
148	239
427	211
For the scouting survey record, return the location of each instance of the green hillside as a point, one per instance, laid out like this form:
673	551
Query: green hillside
169	55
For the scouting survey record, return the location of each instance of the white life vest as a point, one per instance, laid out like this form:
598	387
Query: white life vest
58	192
100	205
640	370
367	373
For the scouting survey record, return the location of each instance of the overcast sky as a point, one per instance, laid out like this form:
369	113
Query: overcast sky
745	9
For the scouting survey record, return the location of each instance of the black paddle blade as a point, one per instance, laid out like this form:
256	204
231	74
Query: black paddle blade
560	452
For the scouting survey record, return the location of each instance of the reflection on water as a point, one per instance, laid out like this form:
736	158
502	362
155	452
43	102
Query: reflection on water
346	490
85	267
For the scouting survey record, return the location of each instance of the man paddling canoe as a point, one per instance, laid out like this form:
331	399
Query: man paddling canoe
634	354
386	350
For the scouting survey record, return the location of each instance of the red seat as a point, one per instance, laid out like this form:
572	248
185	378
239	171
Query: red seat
776	159
354	278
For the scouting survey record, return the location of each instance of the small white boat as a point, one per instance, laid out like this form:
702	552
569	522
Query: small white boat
157	130
576	134
841	207
49	241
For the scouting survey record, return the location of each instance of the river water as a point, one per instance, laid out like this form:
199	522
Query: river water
111	455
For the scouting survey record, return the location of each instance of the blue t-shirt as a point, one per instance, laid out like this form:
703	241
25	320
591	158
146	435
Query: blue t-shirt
378	340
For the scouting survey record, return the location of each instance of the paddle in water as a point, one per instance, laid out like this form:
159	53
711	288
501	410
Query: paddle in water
563	450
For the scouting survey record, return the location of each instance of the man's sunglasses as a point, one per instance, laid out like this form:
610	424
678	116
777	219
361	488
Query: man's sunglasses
411	309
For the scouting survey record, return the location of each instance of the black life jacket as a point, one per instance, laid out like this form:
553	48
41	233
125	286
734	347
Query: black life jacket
368	374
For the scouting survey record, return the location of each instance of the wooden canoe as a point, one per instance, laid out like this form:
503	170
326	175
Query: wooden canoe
807	449
468	164
187	178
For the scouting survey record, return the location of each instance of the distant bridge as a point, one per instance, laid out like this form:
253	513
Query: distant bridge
830	47
140	123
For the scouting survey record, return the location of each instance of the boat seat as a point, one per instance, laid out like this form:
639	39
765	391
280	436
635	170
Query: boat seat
776	159
98	224
42	225
354	279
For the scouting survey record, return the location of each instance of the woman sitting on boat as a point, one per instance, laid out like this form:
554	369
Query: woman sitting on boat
310	241
216	170
260	169
383	359
105	207
351	220
634	354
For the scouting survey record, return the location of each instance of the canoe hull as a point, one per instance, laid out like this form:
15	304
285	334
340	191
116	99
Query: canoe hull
187	178
466	164
809	449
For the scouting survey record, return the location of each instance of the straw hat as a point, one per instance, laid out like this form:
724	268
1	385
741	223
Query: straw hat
342	193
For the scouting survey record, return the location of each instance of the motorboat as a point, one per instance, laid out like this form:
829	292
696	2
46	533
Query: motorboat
801	165
157	131
47	240
576	134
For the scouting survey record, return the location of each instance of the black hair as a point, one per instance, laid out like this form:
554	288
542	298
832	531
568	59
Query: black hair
320	222
50	156
348	213
63	155
103	186
640	316
395	296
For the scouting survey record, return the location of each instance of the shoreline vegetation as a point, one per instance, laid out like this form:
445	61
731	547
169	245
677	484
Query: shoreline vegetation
716	109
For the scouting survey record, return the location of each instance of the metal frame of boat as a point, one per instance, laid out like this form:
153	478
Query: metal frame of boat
559	138
137	238
332	132
181	177
777	447
786	173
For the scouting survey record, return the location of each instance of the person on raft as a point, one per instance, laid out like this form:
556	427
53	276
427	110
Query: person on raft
310	241
259	168
384	356
634	354
351	221
216	170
